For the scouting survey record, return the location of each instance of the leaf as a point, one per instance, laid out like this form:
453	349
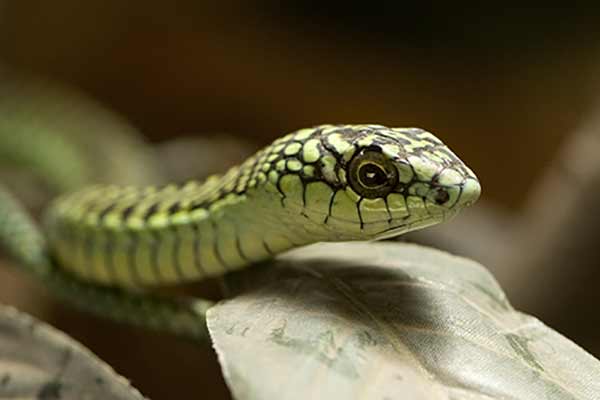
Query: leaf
40	362
388	321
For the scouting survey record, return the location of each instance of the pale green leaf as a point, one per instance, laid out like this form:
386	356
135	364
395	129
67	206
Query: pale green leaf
388	321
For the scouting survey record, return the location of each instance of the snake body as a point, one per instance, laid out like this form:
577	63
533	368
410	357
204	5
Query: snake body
326	183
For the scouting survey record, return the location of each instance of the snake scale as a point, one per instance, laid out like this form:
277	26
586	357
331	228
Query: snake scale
105	243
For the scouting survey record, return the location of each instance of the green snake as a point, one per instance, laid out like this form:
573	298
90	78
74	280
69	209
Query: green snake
320	184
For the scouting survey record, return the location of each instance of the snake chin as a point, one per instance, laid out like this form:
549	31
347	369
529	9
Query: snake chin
403	228
421	223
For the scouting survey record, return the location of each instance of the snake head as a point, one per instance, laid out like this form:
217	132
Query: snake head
388	181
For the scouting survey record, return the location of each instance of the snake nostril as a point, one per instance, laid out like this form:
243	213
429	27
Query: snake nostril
441	196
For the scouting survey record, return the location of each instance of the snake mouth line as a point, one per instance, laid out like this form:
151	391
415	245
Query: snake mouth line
403	228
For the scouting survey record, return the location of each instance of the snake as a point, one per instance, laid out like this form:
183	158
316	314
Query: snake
326	183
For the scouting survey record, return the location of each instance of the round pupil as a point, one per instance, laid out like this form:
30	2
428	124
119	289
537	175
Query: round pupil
372	175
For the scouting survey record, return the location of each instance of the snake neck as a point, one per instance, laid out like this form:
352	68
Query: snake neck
148	236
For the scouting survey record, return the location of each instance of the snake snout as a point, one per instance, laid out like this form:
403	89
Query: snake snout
471	190
453	191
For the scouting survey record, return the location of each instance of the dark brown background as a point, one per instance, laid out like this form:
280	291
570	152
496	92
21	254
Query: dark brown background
502	86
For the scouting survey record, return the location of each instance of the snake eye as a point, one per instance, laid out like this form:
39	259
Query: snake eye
372	174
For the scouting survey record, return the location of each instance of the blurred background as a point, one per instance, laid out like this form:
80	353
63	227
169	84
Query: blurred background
514	91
